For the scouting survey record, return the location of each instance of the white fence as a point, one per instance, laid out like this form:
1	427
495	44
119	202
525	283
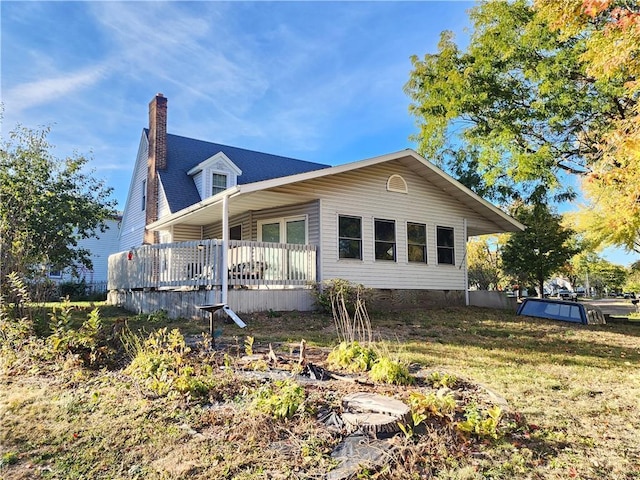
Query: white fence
199	264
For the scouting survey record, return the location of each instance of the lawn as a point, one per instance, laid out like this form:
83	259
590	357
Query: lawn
571	391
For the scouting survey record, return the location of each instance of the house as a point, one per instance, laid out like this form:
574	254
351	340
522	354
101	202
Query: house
395	223
100	248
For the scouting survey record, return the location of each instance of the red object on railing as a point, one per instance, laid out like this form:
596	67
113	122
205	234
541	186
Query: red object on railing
130	255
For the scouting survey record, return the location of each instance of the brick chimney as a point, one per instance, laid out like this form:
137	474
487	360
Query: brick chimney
157	160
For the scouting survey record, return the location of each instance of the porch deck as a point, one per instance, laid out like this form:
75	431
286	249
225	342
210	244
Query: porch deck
198	265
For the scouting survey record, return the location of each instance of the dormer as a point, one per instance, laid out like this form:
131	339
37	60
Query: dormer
214	175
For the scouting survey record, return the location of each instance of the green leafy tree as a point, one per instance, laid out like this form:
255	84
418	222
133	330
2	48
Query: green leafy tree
609	277
611	30
541	249
583	268
632	284
518	106
484	260
46	206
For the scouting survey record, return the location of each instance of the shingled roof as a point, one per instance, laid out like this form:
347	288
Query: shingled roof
185	153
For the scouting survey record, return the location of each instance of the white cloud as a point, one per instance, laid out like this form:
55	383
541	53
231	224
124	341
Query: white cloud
37	93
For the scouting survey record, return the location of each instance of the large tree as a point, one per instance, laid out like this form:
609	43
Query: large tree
518	105
46	206
611	54
541	249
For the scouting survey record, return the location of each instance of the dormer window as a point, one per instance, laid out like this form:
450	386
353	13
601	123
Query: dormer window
214	175
218	183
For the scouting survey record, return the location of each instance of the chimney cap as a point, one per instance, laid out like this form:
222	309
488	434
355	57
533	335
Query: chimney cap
159	95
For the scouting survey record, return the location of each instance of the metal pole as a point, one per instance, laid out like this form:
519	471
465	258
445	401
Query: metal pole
225	249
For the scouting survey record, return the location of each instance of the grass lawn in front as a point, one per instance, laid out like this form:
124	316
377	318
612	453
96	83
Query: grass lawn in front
572	391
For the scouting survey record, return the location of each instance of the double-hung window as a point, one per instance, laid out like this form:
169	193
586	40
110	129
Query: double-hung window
417	242
218	183
385	239
349	237
446	254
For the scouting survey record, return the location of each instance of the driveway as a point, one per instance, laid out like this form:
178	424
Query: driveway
613	306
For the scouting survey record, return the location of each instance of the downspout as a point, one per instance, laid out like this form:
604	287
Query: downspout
464	264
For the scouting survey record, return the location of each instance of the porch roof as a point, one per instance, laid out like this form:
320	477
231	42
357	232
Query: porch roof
272	193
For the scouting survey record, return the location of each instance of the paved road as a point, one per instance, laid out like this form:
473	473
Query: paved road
613	306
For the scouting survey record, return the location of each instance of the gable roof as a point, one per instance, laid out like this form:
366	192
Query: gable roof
262	194
185	153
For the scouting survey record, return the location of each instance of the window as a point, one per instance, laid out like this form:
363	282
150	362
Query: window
385	239
235	232
417	242
270	232
292	230
445	245
349	237
55	273
218	183
144	194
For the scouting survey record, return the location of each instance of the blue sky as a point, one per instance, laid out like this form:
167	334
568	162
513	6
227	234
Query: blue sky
319	81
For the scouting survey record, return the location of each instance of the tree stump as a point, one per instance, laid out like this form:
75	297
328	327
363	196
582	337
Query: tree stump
374	414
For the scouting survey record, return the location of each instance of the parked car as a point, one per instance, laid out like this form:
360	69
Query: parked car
563	310
567	295
629	295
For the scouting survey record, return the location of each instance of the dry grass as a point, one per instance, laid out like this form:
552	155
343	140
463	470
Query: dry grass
573	390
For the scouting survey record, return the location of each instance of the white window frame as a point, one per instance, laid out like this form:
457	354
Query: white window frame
395	240
426	243
283	226
213	172
348	259
453	248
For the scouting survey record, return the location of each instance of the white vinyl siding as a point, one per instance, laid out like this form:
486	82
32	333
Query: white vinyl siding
163	204
100	248
186	233
249	221
134	218
364	194
197	179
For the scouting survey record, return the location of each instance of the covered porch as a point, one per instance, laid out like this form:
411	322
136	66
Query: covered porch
248	276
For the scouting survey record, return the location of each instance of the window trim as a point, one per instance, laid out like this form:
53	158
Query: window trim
144	195
221	173
376	241
360	239
283	226
425	260
452	248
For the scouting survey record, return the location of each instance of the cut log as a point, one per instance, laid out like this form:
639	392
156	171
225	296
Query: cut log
374	413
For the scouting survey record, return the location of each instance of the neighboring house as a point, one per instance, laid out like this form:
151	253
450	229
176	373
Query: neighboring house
101	246
393	222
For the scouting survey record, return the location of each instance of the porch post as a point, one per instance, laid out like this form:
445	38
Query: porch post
225	250
465	262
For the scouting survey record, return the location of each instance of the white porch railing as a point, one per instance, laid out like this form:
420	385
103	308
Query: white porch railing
198	264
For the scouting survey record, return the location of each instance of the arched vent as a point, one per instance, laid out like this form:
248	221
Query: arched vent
396	184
